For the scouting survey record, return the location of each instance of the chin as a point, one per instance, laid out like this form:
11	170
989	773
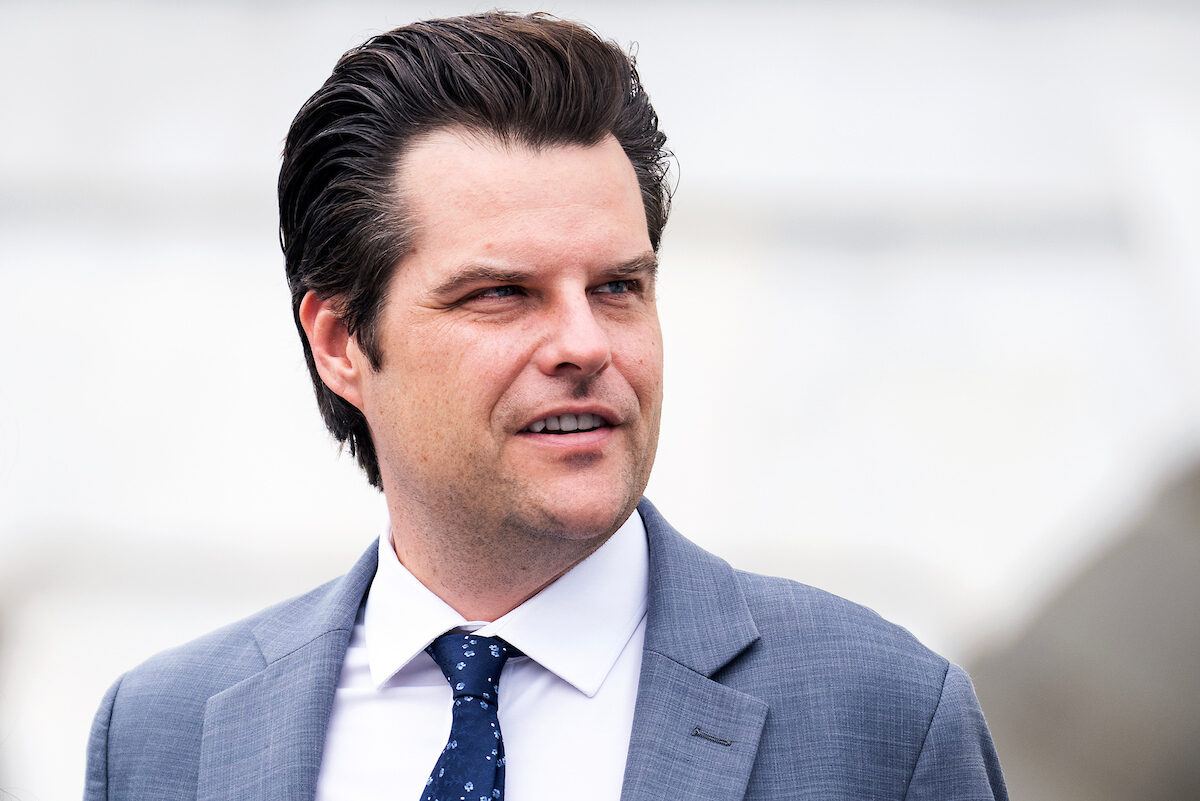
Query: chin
569	519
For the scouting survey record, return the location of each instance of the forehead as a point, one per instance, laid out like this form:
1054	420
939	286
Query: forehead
440	156
454	183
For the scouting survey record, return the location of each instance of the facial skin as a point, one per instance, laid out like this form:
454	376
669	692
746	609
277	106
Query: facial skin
528	294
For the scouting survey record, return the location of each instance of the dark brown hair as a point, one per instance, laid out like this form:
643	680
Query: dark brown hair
530	80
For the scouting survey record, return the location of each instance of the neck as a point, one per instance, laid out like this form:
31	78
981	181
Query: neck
485	575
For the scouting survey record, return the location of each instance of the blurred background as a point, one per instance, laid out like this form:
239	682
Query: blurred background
931	297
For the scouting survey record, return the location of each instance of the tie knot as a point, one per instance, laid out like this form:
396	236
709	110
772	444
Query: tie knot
471	664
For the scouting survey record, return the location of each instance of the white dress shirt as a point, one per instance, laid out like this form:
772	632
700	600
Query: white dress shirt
566	708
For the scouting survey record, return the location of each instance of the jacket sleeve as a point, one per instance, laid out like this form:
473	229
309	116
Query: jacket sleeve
96	777
958	761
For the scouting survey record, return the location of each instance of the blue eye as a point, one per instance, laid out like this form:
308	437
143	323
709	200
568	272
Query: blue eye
617	287
498	292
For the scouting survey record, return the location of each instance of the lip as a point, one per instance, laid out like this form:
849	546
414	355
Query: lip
592	443
610	418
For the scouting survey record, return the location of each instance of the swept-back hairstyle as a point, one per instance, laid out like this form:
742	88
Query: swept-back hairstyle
530	80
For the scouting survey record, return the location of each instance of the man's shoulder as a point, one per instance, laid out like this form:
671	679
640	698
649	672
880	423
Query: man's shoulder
224	653
223	657
823	663
853	704
780	626
781	605
835	645
150	725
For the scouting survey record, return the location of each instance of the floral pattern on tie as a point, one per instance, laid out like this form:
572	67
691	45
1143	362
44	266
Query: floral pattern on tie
471	765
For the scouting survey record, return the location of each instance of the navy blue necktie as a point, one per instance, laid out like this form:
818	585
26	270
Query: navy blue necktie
471	767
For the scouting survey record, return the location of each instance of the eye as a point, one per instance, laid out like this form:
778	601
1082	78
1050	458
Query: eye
619	287
506	291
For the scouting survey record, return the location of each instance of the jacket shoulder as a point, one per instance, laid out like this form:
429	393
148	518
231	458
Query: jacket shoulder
839	642
782	607
826	664
216	660
154	714
221	658
147	735
829	665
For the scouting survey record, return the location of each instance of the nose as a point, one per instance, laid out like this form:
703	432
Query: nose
575	343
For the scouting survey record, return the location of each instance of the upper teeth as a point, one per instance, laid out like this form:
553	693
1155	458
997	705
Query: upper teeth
568	422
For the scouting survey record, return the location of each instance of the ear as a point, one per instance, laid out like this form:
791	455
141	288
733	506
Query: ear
340	363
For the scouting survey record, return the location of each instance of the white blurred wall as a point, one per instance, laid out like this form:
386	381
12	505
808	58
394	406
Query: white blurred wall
930	292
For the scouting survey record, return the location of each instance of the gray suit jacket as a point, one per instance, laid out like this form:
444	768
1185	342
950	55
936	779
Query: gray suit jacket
751	687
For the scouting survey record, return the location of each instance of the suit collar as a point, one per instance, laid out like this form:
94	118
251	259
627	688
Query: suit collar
692	592
329	608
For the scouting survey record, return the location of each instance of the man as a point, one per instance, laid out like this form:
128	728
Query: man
470	211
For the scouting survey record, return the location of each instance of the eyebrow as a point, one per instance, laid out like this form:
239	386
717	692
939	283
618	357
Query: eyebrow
478	274
472	274
645	263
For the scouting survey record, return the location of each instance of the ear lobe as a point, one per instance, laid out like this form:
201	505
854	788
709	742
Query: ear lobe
339	362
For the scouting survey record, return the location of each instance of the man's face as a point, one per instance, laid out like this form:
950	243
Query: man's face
521	376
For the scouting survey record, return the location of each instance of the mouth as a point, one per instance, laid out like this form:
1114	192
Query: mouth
567	424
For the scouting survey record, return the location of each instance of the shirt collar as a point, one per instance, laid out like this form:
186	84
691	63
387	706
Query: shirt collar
576	627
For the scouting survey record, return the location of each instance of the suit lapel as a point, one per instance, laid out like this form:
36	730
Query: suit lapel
264	737
692	736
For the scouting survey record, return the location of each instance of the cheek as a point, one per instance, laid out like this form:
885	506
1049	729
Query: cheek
439	355
643	374
641	354
469	374
415	391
